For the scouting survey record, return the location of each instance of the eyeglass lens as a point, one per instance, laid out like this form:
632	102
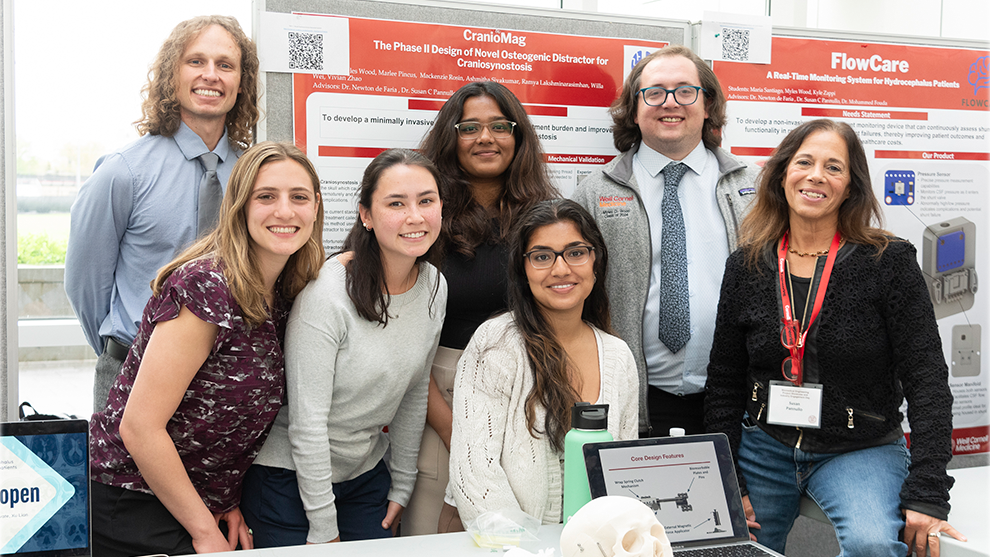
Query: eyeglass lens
791	368
545	258
500	128
684	95
790	333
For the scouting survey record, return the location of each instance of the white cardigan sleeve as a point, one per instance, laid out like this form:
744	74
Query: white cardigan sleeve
486	374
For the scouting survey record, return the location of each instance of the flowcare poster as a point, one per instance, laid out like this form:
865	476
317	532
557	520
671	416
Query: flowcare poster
401	73
923	115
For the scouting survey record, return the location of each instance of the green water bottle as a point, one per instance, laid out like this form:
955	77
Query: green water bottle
589	424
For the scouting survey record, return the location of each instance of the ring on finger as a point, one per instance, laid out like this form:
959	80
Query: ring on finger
933	535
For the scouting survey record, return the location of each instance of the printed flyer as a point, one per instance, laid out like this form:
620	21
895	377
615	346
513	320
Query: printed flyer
923	115
401	73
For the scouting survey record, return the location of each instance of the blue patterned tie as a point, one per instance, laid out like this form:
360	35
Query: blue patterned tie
210	195
675	309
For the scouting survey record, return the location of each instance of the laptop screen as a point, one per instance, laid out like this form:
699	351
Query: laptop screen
689	482
44	488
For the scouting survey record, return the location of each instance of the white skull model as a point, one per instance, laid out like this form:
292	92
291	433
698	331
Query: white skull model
614	526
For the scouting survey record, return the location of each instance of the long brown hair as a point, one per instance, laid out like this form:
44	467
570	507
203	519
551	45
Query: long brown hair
860	218
625	130
366	271
230	242
466	223
160	109
551	366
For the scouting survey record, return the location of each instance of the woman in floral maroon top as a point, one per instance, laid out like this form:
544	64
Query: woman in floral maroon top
204	378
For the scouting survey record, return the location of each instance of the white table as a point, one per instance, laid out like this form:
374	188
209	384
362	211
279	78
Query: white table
970	515
970	500
439	545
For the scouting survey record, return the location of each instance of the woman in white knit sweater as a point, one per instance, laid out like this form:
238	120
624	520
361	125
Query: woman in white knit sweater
524	370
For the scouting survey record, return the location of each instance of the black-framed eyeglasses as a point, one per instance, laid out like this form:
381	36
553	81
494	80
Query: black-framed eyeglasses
684	95
545	258
498	128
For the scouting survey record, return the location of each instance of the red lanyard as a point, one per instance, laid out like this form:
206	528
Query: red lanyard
797	348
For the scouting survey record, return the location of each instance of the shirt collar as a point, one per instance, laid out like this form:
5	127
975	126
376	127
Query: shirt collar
192	146
654	162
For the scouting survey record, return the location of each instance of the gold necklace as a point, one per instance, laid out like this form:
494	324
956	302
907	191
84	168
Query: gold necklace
842	242
812	254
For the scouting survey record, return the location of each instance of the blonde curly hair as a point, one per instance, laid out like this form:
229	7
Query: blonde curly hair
160	109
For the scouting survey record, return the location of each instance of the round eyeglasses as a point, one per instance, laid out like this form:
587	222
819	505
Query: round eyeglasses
498	128
545	258
683	95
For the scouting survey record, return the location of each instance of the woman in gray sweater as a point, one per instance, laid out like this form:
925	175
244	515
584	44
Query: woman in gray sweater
359	344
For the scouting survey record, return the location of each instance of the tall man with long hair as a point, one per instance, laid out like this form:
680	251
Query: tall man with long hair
149	200
668	251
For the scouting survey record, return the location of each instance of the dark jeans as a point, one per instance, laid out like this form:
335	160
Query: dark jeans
669	410
273	509
127	523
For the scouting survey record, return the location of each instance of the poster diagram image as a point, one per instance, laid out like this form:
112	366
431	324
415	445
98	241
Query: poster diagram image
949	263
965	351
682	488
898	187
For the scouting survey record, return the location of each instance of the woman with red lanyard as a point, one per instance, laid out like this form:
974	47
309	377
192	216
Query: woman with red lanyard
824	326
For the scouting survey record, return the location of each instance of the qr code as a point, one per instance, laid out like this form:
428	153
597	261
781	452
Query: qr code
735	44
305	51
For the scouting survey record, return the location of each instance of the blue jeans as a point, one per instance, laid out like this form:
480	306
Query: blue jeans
273	509
859	492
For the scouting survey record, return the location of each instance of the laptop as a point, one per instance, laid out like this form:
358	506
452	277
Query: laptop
690	484
44	488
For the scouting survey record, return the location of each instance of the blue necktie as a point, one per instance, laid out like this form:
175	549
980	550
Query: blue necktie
675	309
210	195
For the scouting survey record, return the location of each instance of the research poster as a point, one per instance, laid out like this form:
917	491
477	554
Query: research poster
401	73
923	115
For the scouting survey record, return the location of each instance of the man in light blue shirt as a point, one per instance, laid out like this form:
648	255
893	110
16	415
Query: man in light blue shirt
140	207
671	110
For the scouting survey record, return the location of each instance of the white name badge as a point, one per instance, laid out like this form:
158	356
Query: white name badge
795	406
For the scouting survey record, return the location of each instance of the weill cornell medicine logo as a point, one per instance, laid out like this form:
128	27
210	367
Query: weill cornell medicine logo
30	493
979	78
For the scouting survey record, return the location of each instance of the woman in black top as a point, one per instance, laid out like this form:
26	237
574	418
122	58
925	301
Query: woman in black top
824	327
492	169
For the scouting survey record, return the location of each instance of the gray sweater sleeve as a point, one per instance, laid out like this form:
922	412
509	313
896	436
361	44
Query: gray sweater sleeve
312	339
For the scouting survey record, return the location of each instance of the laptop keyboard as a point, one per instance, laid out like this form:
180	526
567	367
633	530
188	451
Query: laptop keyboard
745	550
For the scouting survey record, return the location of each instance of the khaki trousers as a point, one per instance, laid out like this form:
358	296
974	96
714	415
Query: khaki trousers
423	511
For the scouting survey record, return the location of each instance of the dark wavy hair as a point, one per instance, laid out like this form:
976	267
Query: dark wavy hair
860	217
551	368
466	223
366	271
625	130
231	243
160	109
